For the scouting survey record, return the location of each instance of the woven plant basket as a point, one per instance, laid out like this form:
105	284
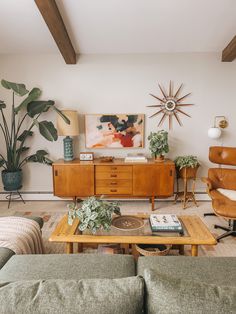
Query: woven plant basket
153	250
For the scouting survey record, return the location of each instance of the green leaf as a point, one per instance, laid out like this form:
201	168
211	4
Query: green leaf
33	95
47	130
25	134
36	107
19	89
2	162
61	115
2	104
22	149
39	156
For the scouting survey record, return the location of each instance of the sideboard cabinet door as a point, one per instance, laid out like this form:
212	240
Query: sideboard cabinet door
153	180
73	180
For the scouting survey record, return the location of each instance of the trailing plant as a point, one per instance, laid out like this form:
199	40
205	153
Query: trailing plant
158	143
93	214
15	133
188	161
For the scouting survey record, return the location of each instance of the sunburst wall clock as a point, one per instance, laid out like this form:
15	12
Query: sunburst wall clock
170	105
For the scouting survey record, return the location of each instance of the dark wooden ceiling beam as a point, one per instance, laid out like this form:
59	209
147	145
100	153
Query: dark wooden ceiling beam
54	21
229	53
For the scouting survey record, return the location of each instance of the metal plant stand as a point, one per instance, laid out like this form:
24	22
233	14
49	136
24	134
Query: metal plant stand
14	196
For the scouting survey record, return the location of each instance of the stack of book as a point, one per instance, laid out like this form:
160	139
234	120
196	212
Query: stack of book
165	223
135	158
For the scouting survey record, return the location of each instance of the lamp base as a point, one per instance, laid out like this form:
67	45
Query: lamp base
68	149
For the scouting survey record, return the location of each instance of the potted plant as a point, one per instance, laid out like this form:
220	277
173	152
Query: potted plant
15	134
187	166
158	144
93	214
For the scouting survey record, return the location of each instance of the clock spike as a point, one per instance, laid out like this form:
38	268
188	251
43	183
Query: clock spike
156	97
162	119
170	121
156	113
177	118
163	93
154	106
182	105
176	94
183	113
170	89
183	97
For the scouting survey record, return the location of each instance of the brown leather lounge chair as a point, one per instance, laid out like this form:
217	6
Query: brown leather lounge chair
221	187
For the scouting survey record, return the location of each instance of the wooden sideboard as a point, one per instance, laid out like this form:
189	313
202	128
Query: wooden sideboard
117	179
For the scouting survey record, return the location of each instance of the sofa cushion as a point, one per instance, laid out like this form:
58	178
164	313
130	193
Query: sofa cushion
5	255
39	220
168	294
63	266
215	270
100	296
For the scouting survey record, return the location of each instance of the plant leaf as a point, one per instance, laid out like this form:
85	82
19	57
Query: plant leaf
39	156
19	89
47	130
39	106
2	104
61	115
25	134
33	95
22	149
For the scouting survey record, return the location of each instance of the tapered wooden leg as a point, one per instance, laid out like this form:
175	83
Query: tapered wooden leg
194	250
135	253
181	249
69	248
80	247
153	202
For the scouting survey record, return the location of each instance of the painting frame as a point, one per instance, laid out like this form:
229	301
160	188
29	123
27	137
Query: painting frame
114	131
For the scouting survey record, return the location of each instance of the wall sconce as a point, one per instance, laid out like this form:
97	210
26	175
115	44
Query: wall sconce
215	131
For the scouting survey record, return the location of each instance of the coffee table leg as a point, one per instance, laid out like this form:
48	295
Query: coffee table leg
69	247
125	247
181	249
80	247
194	250
135	253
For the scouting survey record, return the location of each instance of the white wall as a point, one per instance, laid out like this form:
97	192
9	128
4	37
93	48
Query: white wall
121	84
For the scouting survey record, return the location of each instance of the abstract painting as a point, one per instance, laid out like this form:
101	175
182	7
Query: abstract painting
114	130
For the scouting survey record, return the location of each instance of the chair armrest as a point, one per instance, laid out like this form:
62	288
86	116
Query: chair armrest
208	183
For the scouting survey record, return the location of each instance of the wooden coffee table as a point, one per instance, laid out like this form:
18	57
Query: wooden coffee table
196	233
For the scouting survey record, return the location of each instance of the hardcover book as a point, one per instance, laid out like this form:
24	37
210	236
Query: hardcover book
166	223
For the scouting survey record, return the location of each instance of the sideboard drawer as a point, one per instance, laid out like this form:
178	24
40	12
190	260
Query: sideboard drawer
113	175
114	168
114	183
114	190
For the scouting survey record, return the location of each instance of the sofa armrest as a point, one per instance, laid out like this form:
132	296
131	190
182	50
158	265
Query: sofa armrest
208	182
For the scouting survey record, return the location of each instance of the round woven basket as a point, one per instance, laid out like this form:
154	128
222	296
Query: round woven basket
152	249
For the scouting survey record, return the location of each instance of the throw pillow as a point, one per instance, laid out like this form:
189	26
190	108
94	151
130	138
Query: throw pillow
100	296
166	294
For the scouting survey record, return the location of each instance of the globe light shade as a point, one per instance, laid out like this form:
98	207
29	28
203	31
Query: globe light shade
214	133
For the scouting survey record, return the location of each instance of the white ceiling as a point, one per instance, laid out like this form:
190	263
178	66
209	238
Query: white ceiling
121	26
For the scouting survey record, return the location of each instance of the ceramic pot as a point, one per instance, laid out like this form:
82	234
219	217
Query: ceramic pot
12	181
159	158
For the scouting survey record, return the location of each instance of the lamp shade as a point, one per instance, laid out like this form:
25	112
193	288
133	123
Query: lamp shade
71	129
214	133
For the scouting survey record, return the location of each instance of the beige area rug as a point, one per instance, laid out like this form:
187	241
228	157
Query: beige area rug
53	211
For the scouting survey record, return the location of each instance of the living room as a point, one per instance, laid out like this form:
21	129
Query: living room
117	156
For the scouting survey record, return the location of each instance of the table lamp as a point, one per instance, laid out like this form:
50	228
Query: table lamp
68	130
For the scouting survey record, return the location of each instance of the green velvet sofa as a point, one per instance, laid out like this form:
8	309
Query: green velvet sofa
99	283
170	284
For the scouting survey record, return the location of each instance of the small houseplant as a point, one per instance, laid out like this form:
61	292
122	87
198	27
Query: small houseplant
187	166
94	214
158	144
15	133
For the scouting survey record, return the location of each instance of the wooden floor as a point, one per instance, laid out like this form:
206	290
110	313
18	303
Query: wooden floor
52	211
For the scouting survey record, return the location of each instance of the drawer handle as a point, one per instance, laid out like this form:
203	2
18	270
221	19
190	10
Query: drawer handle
56	173
113	183
113	175
113	190
113	168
